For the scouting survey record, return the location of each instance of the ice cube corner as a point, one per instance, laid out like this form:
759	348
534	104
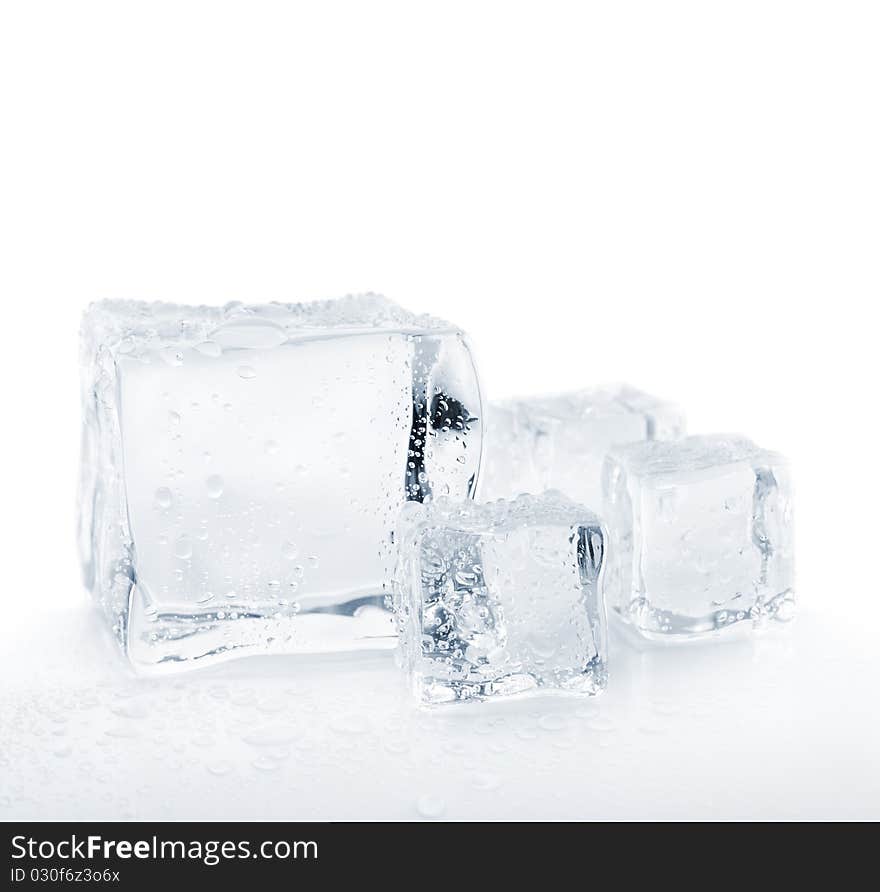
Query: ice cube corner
243	466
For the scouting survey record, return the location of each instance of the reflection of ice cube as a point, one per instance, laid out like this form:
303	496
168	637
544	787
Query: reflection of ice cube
243	468
701	535
501	598
559	442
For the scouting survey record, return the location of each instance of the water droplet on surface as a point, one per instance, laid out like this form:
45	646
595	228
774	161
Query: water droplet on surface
485	782
271	706
174	417
220	768
288	550
133	710
247	372
214	485
350	724
121	732
651	728
164	497
552	722
269	736
265	763
183	547
431	807
271	447
603	726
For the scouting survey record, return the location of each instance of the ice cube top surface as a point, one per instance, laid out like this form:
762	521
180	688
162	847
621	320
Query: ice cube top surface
592	403
701	535
559	442
501	598
689	455
243	467
127	326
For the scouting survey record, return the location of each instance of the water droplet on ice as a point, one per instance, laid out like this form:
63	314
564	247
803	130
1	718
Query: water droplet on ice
215	486
164	497
172	355
785	612
249	333
183	547
247	372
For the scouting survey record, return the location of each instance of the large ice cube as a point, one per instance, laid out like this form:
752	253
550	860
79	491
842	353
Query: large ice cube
501	598
700	535
559	442
243	468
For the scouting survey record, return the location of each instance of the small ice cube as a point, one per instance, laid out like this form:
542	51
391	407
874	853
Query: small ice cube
243	467
501	598
700	535
559	442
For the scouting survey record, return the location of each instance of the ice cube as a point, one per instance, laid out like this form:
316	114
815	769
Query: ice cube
700	535
560	442
243	467
501	598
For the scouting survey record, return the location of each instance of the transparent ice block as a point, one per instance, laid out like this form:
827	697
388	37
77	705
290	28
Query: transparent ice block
501	598
559	442
243	467
700	536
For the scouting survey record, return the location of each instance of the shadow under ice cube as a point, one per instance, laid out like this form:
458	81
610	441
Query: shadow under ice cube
243	467
701	536
501	598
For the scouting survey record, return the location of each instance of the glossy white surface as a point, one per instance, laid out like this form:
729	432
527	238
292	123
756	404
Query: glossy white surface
784	726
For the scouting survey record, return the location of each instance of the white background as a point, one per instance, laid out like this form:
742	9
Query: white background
683	196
